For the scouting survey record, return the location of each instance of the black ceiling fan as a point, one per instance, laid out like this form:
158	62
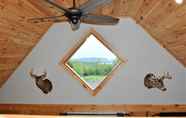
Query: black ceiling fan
76	15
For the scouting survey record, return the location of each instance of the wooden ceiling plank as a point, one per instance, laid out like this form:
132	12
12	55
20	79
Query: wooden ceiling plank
119	8
177	16
16	9
4	75
145	9
44	7
133	6
28	6
8	60
18	36
165	8
7	66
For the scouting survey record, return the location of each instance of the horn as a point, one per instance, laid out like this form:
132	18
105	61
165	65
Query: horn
44	74
31	73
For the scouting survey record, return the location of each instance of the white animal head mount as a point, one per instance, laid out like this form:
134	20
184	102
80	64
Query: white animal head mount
42	82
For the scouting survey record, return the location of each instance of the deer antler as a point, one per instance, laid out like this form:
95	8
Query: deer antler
44	74
31	73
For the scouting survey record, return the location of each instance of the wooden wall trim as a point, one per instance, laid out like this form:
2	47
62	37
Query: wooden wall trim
42	109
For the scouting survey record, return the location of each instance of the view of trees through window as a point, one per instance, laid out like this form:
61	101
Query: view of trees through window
93	62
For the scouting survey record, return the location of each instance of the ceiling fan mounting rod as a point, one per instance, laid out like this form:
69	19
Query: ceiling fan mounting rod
74	3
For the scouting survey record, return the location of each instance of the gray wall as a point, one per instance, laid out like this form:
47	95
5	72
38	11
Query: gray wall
185	84
126	87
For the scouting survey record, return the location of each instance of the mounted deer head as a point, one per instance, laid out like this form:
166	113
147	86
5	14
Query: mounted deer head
152	81
42	82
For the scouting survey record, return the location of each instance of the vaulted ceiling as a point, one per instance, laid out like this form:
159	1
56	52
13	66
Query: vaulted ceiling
163	19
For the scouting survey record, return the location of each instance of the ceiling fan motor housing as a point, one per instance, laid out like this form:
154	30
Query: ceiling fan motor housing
74	15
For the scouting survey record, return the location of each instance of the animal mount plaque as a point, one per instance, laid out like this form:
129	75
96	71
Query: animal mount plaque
42	82
152	81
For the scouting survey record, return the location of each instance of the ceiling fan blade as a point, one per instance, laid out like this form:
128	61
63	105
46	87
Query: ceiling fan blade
52	2
92	4
99	20
48	19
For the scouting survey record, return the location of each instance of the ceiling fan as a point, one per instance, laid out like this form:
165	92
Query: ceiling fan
76	15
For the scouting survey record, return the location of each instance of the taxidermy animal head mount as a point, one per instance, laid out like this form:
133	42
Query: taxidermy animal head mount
152	81
42	82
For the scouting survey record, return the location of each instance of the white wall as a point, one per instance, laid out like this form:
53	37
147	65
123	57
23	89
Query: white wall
126	87
185	84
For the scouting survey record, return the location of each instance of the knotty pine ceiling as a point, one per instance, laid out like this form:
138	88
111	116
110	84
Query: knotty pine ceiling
163	19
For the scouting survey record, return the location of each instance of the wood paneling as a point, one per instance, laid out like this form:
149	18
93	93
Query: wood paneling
163	19
30	116
17	36
131	110
165	23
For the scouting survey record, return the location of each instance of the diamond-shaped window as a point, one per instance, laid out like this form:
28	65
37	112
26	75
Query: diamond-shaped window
92	62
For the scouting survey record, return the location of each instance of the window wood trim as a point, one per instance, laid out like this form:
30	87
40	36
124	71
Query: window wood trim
78	44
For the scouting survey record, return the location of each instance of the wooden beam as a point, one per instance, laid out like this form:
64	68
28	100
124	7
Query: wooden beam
60	109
